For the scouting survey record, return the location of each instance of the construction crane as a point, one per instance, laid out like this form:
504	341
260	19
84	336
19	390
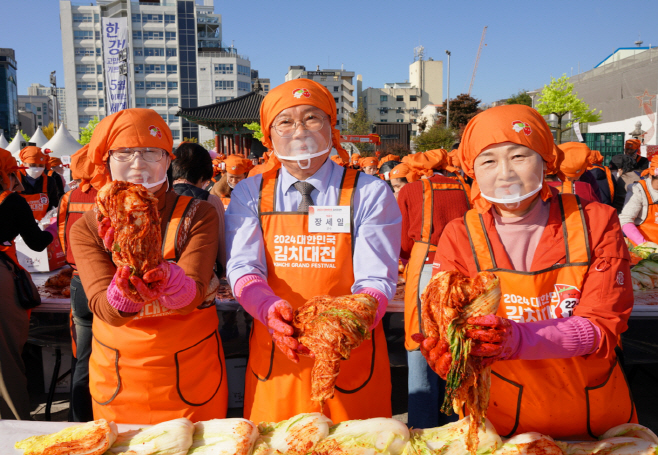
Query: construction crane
477	59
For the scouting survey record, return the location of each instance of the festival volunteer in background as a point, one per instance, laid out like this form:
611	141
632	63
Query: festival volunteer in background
279	258
563	307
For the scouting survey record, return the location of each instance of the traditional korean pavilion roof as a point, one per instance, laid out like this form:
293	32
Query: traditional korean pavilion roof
231	113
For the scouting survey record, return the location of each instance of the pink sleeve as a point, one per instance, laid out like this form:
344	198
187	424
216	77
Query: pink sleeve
560	338
255	296
383	303
119	301
633	233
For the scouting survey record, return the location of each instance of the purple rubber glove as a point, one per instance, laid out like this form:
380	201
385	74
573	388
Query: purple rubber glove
381	308
118	300
179	290
634	235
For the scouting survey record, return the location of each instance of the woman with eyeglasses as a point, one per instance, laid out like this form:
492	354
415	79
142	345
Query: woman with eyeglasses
162	359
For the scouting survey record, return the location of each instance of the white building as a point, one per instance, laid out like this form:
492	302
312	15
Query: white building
337	81
407	101
175	56
41	90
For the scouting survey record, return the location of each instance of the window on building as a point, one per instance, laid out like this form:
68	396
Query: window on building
154	35
97	18
38	109
87	102
99	69
172	118
175	135
98	51
82	86
152	102
154	52
383	110
140	102
138	52
85	119
85	69
170	19
39	117
100	86
336	99
383	98
170	36
244	70
335	88
413	111
139	85
412	97
172	69
83	34
172	85
137	18
139	68
224	85
399	98
382	120
337	121
400	120
399	110
156	85
266	87
172	101
171	52
244	86
79	18
323	78
84	52
220	99
40	124
224	68
152	18
97	34
154	69
101	102
137	34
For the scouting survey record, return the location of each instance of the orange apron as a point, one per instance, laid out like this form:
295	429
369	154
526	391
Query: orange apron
577	397
39	202
226	201
418	262
65	209
567	187
161	365
649	227
276	388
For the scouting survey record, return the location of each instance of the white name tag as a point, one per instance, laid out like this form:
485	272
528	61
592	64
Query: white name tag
329	218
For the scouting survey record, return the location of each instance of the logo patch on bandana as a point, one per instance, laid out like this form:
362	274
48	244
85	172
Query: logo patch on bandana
521	126
155	131
299	92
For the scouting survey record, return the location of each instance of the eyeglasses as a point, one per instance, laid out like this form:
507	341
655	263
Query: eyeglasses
286	127
128	154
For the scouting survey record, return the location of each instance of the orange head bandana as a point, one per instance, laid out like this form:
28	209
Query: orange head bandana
53	161
236	165
576	160
653	167
368	161
426	162
595	158
295	93
338	160
389	158
514	123
453	156
355	159
32	155
127	128
401	171
632	144
82	169
8	166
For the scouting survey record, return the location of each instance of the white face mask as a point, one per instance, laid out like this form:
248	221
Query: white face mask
34	172
512	200
306	157
148	186
230	185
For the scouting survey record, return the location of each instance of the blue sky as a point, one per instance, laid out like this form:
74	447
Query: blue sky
526	42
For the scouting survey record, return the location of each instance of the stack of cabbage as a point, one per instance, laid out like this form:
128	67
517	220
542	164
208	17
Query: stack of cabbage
645	274
314	434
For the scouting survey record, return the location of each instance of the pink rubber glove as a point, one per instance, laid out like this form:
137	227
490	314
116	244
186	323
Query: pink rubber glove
118	300
633	233
52	228
106	232
255	296
179	290
381	308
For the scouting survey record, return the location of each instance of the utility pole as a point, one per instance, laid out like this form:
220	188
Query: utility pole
53	92
448	94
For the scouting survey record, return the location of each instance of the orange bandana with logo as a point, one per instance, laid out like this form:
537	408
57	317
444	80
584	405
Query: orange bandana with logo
514	123
632	144
33	155
368	161
401	171
236	165
127	128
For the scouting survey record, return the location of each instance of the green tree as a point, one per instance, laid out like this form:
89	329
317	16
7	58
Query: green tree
520	98
255	127
462	109
192	140
558	98
437	137
25	136
359	123
87	131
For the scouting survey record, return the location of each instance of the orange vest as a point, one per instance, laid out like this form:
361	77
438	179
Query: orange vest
302	265
579	397
161	365
567	187
39	202
65	209
226	201
418	260
466	186
649	227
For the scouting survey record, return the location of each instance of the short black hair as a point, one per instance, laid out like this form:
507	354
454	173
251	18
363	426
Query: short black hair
388	166
192	163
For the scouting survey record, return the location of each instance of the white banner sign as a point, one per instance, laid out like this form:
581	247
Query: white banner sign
576	129
115	39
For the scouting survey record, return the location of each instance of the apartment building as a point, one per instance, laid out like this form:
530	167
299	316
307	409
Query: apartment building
41	90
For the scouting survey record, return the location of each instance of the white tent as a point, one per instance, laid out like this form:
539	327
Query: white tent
17	144
38	138
62	143
3	142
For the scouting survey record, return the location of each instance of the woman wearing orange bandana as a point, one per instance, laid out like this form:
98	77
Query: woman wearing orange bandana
280	257
16	219
603	176
161	358
400	175
564	304
573	167
40	191
640	213
632	149
369	165
237	169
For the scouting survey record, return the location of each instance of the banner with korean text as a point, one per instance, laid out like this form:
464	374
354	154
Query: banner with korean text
115	39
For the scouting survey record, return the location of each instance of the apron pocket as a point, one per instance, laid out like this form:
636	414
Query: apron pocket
610	403
505	404
356	372
105	381
200	371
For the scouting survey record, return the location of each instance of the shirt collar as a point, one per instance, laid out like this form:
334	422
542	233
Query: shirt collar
319	180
